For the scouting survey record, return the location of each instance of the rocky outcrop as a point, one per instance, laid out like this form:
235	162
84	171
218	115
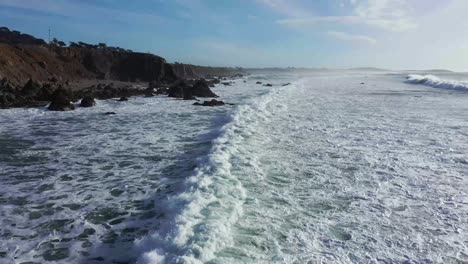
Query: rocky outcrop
34	73
61	101
201	89
23	58
177	90
87	101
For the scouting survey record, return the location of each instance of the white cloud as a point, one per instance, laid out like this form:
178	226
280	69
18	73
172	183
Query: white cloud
387	15
351	37
400	25
290	8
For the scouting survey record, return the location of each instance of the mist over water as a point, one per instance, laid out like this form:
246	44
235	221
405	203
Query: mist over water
334	168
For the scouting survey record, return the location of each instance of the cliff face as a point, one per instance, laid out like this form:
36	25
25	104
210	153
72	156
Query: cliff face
23	57
18	63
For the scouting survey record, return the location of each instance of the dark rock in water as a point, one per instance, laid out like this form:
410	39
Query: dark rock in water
87	101
123	99
213	102
188	94
177	89
258	82
245	81
268	85
286	84
61	101
181	89
110	113
362	83
201	89
239	75
227	83
149	92
215	81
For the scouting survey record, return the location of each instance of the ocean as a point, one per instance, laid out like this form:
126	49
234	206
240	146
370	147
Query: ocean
336	167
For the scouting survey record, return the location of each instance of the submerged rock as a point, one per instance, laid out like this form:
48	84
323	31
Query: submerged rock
123	99
286	84
268	85
213	102
258	82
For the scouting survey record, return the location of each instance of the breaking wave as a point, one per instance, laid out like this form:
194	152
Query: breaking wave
210	201
436	82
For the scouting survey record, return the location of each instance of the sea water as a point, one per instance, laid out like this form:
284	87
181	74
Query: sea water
336	167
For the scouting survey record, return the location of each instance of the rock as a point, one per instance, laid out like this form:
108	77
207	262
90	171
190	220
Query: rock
227	83
61	101
53	79
123	99
201	89
213	102
188	94
42	64
268	85
286	84
149	92
87	101
258	82
177	89
239	75
31	88
7	99
362	83
110	113
45	93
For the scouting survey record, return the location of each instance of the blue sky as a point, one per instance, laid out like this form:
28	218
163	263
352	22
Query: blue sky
397	34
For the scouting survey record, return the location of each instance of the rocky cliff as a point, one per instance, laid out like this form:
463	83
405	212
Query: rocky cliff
23	57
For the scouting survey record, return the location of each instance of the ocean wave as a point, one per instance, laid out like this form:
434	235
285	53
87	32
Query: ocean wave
204	210
436	82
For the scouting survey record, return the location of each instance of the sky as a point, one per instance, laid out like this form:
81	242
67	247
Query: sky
392	34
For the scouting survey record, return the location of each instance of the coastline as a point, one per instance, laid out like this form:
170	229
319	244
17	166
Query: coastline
34	73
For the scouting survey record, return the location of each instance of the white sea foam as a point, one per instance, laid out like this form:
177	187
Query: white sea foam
327	170
210	201
436	82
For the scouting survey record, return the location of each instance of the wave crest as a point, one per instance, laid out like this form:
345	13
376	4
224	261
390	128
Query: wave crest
436	82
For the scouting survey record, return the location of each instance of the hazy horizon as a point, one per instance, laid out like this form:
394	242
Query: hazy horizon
337	34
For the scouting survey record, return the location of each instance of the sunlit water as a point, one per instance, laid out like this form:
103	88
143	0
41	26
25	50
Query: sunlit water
335	168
